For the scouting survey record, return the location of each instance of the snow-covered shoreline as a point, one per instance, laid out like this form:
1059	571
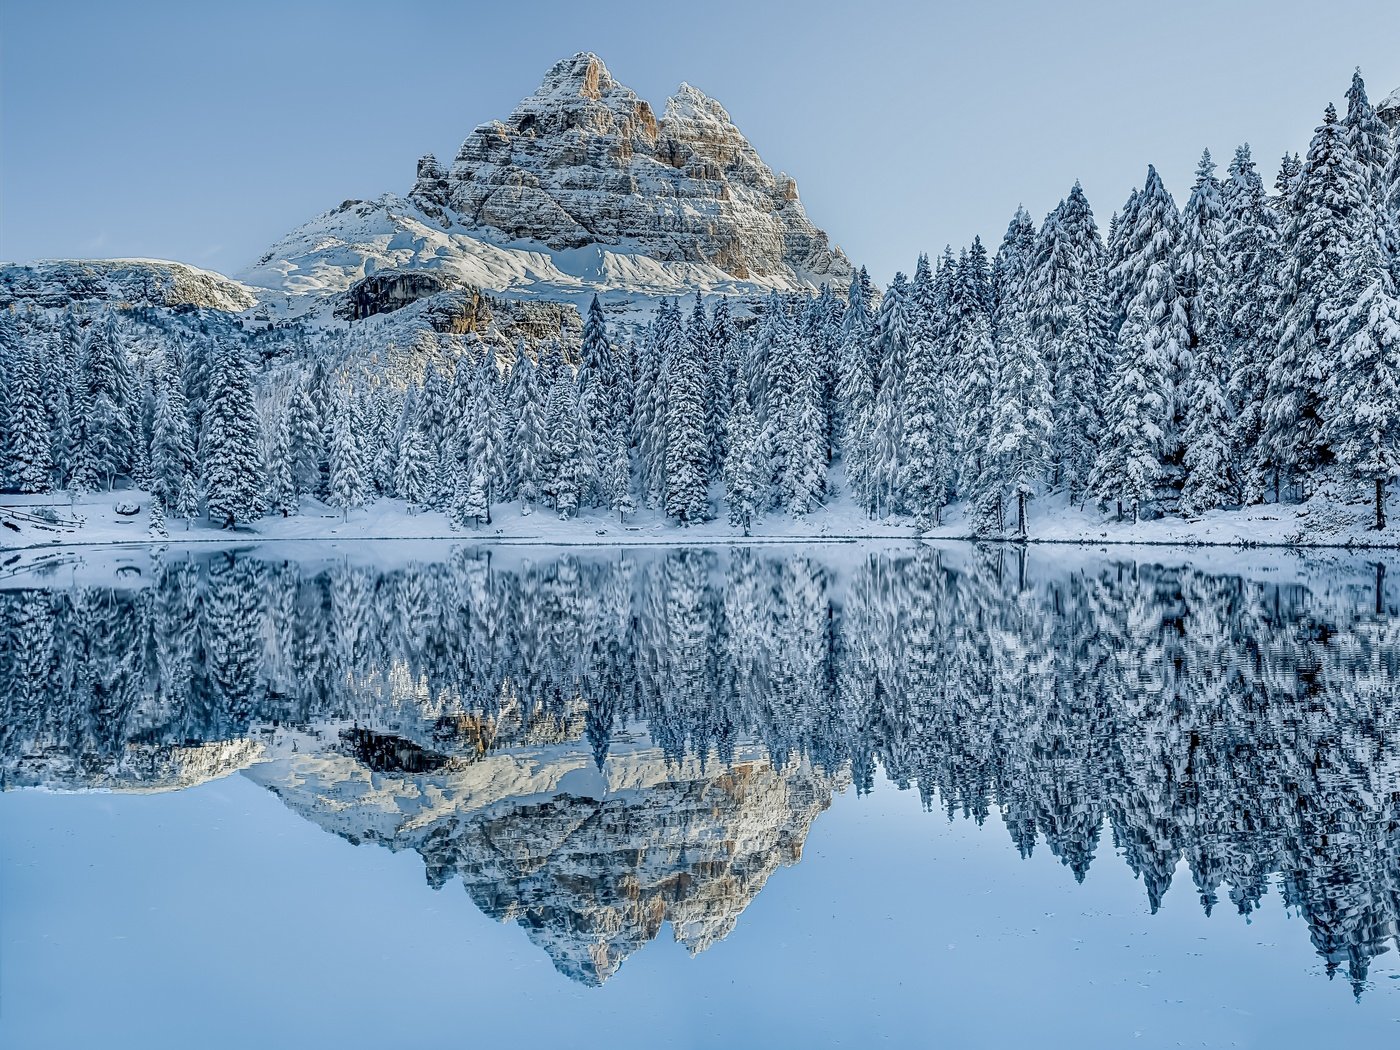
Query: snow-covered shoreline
1323	523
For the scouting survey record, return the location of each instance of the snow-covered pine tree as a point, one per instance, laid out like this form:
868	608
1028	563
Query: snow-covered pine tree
825	316
565	459
172	440
1248	265
414	470
972	357
884	463
307	441
686	448
660	344
348	487
1289	168
187	498
531	442
1209	478
144	421
1390	211
1062	272
1148	276
742	471
1021	437
107	431
723	337
280	494
59	377
1207	424
1129	459
696	344
1368	139
1328	210
26	435
230	444
804	483
486	454
1011	267
855	388
616	464
599	393
1119	281
156	526
928	437
1198	260
780	373
1363	387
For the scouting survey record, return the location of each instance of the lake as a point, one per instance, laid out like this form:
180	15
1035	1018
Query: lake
777	796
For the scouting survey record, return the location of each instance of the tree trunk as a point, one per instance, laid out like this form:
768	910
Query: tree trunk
1021	514
1380	503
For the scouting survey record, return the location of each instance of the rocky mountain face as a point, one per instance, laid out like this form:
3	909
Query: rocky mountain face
584	161
582	189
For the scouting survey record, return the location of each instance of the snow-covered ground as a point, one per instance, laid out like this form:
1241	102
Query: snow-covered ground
1324	521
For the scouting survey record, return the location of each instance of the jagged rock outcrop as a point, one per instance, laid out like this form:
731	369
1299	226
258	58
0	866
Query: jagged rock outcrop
582	189
382	293
136	282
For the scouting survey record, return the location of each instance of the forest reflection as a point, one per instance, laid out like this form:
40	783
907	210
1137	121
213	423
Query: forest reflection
600	744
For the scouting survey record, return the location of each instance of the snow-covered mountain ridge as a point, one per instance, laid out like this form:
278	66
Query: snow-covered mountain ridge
582	189
52	283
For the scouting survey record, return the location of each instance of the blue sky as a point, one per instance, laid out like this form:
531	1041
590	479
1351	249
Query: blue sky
203	131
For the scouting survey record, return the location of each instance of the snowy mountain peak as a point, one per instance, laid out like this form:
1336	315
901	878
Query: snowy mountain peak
581	189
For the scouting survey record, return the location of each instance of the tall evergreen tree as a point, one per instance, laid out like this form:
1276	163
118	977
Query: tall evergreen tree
172	442
804	482
279	488
348	487
1061	290
1148	275
1207	424
855	390
1248	268
1328	200
1023	425
531	442
1129	460
1363	388
107	428
230	443
742	472
687	450
566	482
1368	139
723	339
26	428
885	451
928	438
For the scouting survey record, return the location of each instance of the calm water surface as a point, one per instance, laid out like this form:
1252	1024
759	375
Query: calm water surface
698	798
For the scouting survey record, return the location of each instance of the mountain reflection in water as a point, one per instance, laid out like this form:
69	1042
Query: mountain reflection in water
596	745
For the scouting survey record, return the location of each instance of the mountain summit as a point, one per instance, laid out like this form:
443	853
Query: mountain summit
581	189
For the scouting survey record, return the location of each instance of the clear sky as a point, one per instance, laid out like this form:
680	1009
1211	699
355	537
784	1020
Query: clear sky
203	131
